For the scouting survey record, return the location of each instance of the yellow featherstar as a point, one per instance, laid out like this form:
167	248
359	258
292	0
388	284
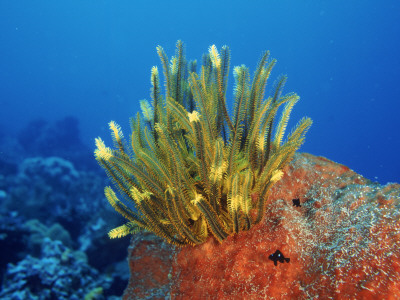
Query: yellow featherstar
116	131
194	116
215	56
191	168
102	152
276	176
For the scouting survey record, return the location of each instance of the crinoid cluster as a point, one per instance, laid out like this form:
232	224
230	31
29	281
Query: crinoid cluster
191	169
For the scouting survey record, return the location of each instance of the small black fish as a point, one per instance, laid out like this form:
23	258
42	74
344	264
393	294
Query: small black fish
278	256
296	202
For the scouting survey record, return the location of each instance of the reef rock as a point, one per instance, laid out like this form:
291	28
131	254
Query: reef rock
338	236
59	273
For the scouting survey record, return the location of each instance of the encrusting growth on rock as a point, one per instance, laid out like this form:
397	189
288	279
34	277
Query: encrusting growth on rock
191	169
343	243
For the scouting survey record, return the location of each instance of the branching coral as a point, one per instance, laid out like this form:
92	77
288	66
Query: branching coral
191	168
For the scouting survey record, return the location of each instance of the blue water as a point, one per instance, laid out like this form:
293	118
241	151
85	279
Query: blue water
92	60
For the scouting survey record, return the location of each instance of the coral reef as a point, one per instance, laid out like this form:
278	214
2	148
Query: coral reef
192	170
58	273
343	241
52	190
48	198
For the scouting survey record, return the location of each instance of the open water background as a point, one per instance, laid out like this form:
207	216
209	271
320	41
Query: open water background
92	60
